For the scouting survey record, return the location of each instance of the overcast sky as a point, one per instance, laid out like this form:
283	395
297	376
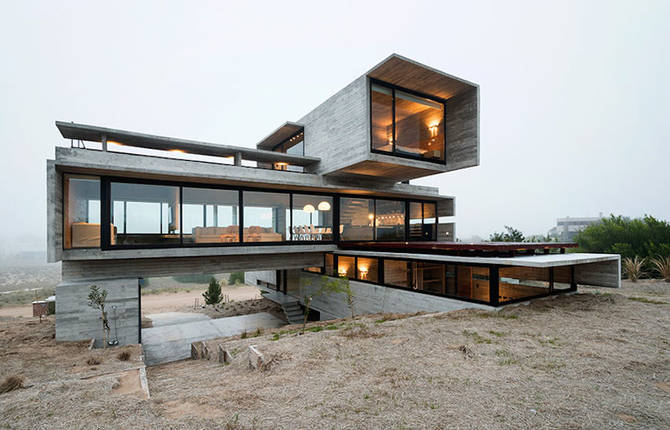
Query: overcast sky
575	96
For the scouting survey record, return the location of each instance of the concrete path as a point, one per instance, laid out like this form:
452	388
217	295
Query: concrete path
172	318
168	343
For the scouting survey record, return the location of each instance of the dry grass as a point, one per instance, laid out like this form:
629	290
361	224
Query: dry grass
11	383
93	361
594	359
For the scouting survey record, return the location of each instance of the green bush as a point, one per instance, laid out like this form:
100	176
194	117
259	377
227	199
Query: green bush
509	235
213	294
236	278
644	237
198	278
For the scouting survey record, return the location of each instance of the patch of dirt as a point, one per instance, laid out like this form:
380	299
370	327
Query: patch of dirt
129	384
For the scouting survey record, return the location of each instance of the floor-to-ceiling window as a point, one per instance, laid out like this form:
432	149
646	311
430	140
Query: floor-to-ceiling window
210	215
312	217
357	218
266	216
81	212
406	124
143	214
390	220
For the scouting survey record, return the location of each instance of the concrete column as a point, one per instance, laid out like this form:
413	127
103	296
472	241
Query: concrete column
238	158
104	143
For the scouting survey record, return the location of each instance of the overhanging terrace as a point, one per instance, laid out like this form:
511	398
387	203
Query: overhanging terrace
106	136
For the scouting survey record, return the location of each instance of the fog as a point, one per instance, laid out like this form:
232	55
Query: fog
574	95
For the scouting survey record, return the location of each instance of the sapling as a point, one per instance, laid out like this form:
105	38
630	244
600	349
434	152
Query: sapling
96	300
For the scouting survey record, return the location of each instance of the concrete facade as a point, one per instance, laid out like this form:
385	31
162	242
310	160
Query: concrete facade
76	320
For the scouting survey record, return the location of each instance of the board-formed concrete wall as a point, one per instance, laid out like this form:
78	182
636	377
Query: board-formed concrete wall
76	320
337	130
600	274
251	278
371	299
463	130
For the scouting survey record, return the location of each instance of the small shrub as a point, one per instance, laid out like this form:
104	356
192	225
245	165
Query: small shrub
275	336
213	294
92	361
662	266
236	278
244	335
123	356
11	383
259	331
634	267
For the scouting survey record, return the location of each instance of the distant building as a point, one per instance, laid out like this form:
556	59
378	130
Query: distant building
567	228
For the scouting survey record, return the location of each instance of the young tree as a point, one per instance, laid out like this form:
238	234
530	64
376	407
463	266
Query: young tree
213	294
510	235
96	300
328	285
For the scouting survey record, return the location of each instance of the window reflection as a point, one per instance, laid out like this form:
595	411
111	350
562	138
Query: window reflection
210	215
356	219
81	212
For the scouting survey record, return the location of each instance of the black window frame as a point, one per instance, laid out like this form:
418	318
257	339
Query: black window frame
393	88
105	214
494	279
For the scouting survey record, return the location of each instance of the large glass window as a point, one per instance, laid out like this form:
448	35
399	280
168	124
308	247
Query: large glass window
346	267
312	217
406	124
522	282
295	145
144	214
429	221
472	282
429	277
367	269
390	216
81	212
562	278
266	216
415	221
356	219
382	118
397	273
210	215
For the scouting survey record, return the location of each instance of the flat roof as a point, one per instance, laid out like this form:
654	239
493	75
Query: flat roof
546	260
406	73
91	133
443	247
286	130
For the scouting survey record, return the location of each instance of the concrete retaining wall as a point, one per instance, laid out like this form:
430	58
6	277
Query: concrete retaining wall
370	299
75	320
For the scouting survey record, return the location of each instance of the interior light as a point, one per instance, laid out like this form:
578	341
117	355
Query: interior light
114	142
308	208
324	206
371	217
180	151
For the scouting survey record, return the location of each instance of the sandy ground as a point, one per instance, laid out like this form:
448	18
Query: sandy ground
597	359
181	301
184	301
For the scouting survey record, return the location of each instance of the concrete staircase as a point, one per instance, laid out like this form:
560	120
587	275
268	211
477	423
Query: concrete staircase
293	312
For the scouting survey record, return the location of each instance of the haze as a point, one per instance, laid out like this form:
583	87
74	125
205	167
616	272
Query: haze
574	95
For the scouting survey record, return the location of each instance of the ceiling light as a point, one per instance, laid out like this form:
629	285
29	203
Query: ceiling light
308	208
324	206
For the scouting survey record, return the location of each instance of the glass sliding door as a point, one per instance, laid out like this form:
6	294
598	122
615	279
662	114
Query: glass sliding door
266	216
357	218
210	215
429	221
390	220
312	217
81	212
143	214
415	221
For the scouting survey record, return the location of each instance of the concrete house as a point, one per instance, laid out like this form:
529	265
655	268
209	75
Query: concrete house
326	195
